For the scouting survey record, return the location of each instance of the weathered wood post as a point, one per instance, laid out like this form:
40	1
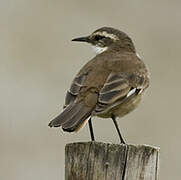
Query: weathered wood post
101	161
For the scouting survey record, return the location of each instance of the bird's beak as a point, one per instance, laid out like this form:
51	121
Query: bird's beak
82	39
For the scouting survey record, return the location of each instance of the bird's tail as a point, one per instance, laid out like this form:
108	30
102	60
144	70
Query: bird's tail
73	117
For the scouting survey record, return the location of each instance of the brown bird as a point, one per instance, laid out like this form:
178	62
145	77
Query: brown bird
110	85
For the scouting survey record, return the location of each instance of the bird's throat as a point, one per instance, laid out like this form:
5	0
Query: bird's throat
98	49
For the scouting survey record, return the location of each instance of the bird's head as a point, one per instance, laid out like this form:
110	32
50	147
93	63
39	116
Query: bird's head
107	37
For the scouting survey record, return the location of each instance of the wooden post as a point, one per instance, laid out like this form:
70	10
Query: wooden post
101	161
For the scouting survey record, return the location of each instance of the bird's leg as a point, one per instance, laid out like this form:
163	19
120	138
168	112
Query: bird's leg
117	128
91	130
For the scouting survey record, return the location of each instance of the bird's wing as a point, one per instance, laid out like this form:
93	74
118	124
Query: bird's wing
116	90
74	90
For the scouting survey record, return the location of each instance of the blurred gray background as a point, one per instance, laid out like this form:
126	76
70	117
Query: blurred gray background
38	62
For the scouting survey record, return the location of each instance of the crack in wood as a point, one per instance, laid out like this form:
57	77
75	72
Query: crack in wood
125	163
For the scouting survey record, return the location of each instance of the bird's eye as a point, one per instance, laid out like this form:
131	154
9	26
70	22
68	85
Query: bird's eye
98	37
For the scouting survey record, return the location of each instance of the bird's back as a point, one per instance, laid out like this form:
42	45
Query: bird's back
95	73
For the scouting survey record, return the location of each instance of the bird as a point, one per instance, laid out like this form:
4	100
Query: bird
110	85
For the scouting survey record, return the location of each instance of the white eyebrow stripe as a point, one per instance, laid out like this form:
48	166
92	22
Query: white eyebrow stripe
104	33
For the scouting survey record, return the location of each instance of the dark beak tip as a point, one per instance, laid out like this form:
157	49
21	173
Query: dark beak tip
74	39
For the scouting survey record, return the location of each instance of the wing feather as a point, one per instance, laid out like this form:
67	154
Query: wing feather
115	87
74	90
115	91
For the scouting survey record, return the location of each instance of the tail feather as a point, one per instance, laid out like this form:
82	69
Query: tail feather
60	119
78	125
72	117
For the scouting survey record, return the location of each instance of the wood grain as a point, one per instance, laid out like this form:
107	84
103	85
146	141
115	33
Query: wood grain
101	161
